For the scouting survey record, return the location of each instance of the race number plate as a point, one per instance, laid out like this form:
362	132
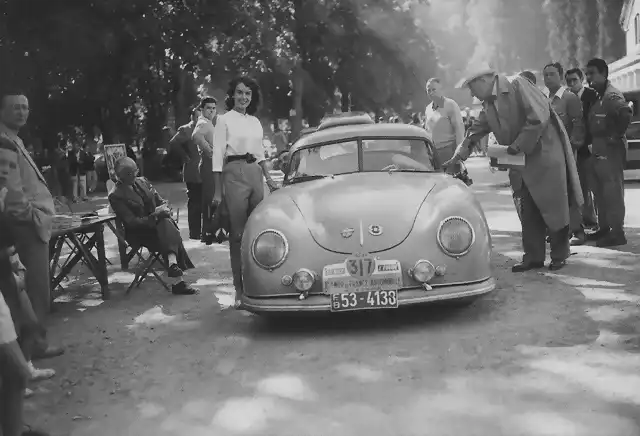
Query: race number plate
362	282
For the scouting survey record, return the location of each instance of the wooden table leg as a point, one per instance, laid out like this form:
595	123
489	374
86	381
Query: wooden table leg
122	245
98	271
102	262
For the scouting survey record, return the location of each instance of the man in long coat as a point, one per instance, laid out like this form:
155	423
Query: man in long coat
519	114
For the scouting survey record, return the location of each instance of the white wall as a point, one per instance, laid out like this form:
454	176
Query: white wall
632	47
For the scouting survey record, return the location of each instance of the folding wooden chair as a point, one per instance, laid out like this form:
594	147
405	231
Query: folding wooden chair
145	264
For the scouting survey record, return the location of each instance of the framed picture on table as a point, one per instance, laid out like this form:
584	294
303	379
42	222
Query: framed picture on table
112	153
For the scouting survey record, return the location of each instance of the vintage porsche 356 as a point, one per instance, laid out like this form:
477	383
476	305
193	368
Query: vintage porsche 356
365	220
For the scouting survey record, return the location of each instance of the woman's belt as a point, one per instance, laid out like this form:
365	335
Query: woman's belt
247	157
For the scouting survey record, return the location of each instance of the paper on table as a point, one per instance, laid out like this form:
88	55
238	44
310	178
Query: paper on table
499	152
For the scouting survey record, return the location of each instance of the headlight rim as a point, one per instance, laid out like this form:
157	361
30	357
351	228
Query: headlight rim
286	249
423	261
439	239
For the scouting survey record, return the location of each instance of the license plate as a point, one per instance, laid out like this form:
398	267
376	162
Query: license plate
345	301
362	282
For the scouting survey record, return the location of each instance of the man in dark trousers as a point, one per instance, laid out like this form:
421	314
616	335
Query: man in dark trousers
609	118
575	81
203	138
188	150
569	108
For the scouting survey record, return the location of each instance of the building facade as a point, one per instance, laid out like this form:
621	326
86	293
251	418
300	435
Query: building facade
625	73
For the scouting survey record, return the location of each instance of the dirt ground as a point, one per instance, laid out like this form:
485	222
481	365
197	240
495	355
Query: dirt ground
545	354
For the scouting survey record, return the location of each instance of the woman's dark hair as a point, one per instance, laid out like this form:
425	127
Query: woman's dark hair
255	94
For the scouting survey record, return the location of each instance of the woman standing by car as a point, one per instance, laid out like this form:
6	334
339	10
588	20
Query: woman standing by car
238	164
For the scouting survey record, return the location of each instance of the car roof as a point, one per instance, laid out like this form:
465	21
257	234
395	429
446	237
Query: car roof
360	130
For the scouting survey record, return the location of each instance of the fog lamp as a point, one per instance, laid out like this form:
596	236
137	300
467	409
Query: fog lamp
423	271
303	279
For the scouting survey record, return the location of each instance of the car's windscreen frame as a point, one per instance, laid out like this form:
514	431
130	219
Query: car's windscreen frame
359	140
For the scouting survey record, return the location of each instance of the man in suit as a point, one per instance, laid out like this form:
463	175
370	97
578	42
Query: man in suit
147	221
569	108
520	116
575	81
189	153
30	209
203	137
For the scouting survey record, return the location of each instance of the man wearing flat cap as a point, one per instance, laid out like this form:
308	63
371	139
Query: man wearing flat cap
519	114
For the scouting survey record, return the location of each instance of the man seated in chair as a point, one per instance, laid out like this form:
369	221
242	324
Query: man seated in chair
147	221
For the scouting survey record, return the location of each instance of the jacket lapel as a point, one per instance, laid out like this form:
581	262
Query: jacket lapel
128	196
27	157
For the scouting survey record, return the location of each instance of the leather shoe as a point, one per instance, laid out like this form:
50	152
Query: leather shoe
29	431
578	238
526	266
555	265
595	236
47	353
611	240
175	271
182	289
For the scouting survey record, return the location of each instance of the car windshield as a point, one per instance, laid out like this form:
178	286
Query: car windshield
379	154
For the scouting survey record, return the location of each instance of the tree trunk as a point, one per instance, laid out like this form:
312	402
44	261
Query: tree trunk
345	100
298	92
586	14
612	36
570	35
558	46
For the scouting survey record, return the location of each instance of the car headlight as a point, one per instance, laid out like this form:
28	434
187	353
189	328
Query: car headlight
270	249
455	236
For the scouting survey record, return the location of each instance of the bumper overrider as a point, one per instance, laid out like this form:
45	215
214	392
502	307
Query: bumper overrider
406	296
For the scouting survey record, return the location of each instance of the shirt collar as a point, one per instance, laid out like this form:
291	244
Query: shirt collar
500	86
559	93
4	129
579	94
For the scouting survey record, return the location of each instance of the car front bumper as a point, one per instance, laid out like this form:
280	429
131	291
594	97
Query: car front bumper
407	296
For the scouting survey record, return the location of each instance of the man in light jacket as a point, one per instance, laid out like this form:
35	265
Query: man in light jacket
521	117
30	208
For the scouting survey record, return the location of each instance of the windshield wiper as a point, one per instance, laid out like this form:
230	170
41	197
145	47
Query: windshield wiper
411	170
306	178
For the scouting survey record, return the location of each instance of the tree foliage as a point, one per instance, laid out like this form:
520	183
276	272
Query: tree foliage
111	63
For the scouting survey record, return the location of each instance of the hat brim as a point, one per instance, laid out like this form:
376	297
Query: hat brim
465	82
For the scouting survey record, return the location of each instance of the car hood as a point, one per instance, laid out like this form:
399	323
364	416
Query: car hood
359	212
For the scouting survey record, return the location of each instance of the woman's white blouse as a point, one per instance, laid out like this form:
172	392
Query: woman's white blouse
236	134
